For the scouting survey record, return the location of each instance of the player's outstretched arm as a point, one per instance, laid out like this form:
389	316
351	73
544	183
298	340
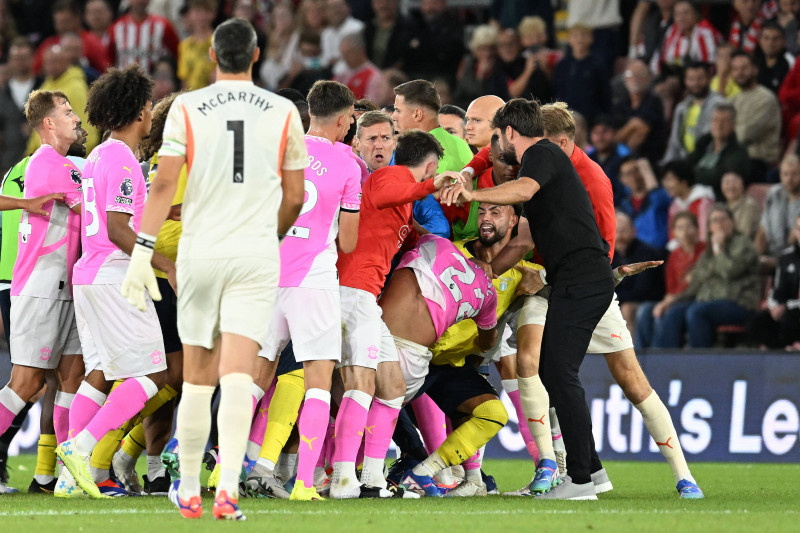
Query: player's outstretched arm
632	269
32	205
292	183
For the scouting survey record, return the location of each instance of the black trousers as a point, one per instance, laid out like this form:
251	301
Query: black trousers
573	313
775	334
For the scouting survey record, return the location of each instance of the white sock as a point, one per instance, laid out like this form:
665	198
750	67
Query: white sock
430	466
122	457
659	424
155	468
233	421
85	443
344	473
99	474
252	450
287	466
43	479
474	475
510	385
372	473
445	477
11	400
536	406
193	428
265	464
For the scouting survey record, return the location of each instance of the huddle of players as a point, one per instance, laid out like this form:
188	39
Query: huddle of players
432	288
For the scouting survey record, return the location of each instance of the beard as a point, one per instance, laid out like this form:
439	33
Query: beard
491	239
702	93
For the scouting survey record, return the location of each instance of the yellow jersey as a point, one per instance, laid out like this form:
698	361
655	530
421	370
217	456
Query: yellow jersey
170	234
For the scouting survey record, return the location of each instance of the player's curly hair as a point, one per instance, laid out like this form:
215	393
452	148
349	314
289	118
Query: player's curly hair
152	143
117	98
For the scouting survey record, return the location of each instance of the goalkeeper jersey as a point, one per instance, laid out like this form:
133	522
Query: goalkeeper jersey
458	341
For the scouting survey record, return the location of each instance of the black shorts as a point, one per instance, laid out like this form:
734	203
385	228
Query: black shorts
286	362
450	386
5	310
167	311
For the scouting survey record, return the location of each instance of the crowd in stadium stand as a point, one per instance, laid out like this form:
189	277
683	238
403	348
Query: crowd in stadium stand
692	109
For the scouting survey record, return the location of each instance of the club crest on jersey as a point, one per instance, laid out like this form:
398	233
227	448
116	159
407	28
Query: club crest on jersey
45	353
75	176
126	187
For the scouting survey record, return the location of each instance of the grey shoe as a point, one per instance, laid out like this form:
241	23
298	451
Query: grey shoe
265	486
524	491
467	489
570	491
601	482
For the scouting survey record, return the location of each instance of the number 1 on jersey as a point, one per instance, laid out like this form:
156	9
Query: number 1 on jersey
237	127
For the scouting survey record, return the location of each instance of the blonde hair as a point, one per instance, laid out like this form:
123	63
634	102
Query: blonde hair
41	104
558	120
532	26
484	35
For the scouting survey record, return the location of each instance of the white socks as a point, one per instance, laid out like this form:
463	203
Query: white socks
233	420
536	406
193	428
659	424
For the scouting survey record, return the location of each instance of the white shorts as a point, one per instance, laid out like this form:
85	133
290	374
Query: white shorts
117	338
366	340
611	334
312	319
42	330
230	295
506	345
414	361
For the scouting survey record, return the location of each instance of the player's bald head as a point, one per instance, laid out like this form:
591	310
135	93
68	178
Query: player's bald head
479	117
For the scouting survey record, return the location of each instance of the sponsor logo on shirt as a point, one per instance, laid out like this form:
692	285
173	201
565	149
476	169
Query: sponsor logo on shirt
123	200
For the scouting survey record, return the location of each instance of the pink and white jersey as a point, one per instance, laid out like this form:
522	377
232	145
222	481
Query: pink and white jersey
112	181
48	245
332	184
454	288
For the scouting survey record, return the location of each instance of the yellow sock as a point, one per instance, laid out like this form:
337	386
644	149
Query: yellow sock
283	408
487	419
134	442
109	444
46	456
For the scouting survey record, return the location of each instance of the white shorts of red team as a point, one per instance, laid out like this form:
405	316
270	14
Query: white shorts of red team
116	337
611	334
312	319
42	330
507	342
414	362
366	340
226	295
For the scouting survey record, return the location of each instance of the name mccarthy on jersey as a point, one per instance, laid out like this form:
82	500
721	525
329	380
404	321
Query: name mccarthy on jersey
222	98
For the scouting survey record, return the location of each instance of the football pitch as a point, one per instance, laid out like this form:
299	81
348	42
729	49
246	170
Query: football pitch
739	497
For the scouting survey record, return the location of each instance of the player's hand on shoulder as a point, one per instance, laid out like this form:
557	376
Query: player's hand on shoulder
34	205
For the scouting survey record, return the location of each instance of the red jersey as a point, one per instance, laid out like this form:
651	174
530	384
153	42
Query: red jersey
679	265
601	195
143	42
93	50
384	225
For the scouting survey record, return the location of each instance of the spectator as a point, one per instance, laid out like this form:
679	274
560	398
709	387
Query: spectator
657	20
692	117
283	46
340	23
647	286
195	68
719	151
436	47
687	195
98	17
722	83
245	9
746	213
69	79
789	96
477	75
771	58
678	270
67	19
787	20
359	74
748	19
72	45
533	37
758	116
454	120
640	114
608	153
311	16
31	18
13	95
309	68
388	35
507	13
724	288
604	18
521	71
689	38
648	204
143	38
781	208
578	70
778	326
165	78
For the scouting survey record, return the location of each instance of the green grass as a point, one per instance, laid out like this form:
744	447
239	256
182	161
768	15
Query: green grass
739	497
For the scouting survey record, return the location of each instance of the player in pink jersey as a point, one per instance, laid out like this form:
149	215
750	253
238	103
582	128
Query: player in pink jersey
307	310
42	315
118	342
434	287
